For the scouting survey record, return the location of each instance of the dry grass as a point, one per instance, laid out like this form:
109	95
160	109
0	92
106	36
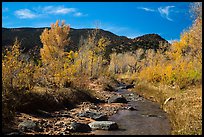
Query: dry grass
184	108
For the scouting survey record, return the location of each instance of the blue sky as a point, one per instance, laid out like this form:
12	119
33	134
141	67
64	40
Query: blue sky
130	19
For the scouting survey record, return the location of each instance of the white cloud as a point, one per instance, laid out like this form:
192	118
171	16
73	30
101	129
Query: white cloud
146	9
25	14
46	11
79	14
164	12
57	10
64	10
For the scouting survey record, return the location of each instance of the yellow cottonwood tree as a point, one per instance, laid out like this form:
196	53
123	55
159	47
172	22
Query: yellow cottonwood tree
52	54
91	54
54	41
16	73
17	77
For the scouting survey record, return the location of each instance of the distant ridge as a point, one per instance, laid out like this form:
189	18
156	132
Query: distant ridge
30	38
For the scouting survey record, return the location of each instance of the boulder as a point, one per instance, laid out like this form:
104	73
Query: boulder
94	115
28	125
103	125
80	127
117	99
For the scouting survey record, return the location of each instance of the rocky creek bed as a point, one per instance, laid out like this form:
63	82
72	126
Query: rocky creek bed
141	117
123	113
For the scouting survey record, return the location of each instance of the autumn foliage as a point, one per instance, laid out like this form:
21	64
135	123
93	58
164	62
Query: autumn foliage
182	64
178	65
53	55
17	76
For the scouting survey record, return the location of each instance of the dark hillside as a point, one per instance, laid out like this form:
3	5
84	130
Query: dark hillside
30	38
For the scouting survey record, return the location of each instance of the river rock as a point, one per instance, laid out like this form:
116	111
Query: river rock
103	125
117	99
28	125
94	115
80	127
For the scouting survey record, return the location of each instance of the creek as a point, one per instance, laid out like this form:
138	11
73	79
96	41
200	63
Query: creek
145	118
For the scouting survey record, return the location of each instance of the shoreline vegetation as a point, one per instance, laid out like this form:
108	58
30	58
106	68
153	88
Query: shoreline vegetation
170	75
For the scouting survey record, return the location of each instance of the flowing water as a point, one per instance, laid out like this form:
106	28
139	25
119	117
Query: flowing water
146	119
